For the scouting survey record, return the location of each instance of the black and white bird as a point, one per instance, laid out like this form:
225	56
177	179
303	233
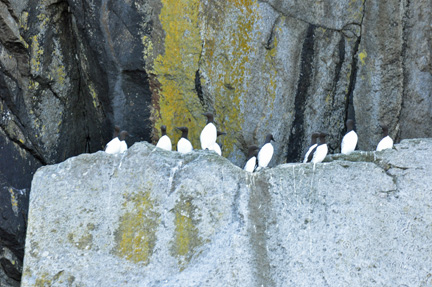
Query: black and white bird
266	153
216	147
313	145
319	153
386	142
164	141
251	164
184	145
349	141
209	133
113	145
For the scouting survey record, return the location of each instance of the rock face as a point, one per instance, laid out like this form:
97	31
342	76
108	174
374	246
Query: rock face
156	218
70	70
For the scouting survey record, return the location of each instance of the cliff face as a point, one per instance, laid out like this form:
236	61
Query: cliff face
70	70
156	218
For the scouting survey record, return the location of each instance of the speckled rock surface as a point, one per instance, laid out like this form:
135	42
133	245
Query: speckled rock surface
155	218
70	70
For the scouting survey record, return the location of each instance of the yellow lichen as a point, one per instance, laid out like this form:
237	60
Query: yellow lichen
362	56
187	237
176	67
36	54
14	201
94	96
229	68
136	235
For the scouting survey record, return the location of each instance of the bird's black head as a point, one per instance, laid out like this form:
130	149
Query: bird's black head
350	125
384	129
315	136
210	118
184	130
116	131
163	129
269	138
123	135
252	151
322	138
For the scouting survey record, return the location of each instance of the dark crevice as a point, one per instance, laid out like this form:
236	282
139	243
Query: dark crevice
349	104
270	41
198	88
405	18
304	82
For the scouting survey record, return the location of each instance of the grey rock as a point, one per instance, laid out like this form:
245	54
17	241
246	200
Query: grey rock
70	70
150	217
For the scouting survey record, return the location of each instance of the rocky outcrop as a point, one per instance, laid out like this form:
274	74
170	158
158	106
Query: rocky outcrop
70	70
155	218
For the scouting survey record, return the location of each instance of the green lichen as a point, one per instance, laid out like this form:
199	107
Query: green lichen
83	243
187	238
43	280
136	235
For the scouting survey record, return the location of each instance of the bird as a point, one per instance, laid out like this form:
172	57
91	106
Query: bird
215	147
349	141
164	141
313	145
184	145
251	164
113	145
116	131
123	146
266	152
320	151
387	141
209	133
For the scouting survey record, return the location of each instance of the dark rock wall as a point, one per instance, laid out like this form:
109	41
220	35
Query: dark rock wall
70	70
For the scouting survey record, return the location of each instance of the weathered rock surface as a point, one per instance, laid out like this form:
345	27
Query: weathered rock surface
70	70
156	218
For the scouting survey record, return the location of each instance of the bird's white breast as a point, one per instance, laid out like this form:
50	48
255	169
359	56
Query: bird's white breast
113	146
265	155
123	147
250	164
320	153
308	153
184	146
208	136
216	148
164	143
385	143
349	142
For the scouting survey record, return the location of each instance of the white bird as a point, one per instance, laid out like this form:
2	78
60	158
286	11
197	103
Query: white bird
349	141
320	152
386	142
216	147
313	145
266	152
184	145
209	133
164	142
252	160
113	145
123	146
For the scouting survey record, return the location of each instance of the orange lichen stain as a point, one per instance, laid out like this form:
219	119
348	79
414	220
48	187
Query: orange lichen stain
176	68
